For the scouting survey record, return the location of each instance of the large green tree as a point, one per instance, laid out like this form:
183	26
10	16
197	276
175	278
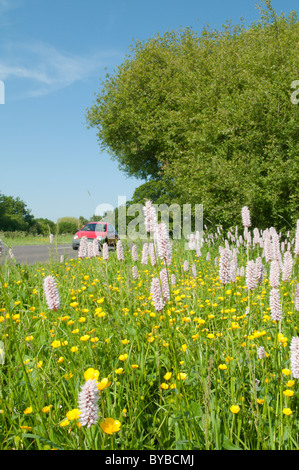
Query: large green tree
14	214
212	114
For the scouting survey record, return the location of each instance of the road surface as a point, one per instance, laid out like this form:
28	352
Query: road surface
31	254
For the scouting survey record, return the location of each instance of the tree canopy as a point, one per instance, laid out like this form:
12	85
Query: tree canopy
211	115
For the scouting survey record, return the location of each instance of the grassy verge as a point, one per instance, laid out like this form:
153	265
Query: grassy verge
187	377
34	240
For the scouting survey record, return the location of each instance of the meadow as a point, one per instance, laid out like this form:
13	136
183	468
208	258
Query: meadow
183	345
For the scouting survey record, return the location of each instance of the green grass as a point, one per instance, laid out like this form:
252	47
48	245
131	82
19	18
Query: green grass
107	322
18	240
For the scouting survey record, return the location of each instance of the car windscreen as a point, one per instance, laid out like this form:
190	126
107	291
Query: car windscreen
94	228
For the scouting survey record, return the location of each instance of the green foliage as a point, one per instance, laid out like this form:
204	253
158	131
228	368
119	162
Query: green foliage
68	225
211	113
14	214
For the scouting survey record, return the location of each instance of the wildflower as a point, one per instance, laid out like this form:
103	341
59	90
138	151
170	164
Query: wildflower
51	293
259	270
152	254
163	243
119	371
287	266
84	338
288	393
251	280
181	376
150	217
235	409
26	428
168	376
287	411
104	383
134	253
246	217
123	357
222	366
110	425
88	398
164	386
296	251
144	258
82	251
135	272
120	251
276	313
296	299
64	423
224	266
28	410
274	274
56	344
261	352
286	371
260	401
73	414
91	374
157	294
294	349
105	251
164	284
46	409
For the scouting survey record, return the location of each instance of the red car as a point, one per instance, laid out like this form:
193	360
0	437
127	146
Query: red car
103	231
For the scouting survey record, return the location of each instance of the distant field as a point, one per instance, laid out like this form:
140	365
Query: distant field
34	240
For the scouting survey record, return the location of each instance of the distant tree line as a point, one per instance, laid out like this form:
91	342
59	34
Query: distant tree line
15	216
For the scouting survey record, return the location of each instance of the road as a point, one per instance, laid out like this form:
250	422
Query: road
31	254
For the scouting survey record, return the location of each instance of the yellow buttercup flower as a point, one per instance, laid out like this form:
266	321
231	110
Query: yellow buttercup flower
28	410
168	376
73	414
235	409
104	383
288	393
110	425
287	411
123	357
46	409
91	374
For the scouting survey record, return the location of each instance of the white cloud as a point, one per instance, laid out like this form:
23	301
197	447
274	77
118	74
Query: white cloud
41	68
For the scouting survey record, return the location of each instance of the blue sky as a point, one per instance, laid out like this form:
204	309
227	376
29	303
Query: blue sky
53	55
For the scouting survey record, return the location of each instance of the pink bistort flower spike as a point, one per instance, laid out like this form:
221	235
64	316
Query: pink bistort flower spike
164	284
294	349
105	251
224	265
251	279
144	257
296	299
51	293
157	294
287	266
296	249
150	217
274	274
275	307
88	403
120	251
246	217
